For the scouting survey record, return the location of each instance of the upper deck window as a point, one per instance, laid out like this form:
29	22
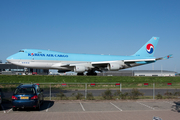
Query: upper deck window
21	51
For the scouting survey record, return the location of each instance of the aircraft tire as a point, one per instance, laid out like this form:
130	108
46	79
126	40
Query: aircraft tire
80	74
91	74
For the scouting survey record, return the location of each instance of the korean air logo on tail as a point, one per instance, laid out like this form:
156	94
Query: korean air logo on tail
150	48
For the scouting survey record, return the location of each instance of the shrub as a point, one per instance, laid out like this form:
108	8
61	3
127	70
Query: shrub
121	95
177	93
135	93
168	94
159	96
107	95
117	93
79	96
62	95
124	95
90	96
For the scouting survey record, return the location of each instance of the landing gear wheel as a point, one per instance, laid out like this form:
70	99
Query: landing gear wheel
91	74
80	73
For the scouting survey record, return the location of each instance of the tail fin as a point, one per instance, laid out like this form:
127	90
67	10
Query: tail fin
148	49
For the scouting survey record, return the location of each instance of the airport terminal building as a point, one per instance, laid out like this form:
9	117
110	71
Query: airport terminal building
154	73
138	73
10	69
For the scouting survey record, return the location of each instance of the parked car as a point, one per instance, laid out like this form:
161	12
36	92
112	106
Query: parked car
27	96
0	98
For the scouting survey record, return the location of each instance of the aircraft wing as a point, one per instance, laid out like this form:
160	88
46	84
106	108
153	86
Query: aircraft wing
121	64
110	65
60	65
86	64
121	61
139	60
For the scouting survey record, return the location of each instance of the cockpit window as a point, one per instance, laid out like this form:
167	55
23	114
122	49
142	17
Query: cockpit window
21	51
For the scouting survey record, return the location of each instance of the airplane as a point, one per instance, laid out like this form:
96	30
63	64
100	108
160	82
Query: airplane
80	63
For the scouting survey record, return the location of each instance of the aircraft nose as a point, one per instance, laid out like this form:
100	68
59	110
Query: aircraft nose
10	58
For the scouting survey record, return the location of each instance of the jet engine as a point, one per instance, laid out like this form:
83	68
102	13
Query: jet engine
115	66
79	69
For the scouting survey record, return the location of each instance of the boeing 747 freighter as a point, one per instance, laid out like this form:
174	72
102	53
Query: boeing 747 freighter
79	63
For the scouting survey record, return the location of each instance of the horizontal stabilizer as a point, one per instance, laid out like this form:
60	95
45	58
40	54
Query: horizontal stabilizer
164	58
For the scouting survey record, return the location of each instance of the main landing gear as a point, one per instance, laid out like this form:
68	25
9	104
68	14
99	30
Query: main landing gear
80	74
91	73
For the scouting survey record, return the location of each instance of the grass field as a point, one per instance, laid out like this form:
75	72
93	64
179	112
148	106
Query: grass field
85	79
78	82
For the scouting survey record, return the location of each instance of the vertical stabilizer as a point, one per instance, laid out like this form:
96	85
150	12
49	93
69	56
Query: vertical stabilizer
148	49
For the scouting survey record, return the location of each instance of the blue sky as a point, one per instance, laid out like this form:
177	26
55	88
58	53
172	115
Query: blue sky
116	27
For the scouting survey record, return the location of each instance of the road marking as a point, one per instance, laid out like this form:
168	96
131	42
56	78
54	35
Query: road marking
116	106
146	105
169	102
3	109
48	107
9	110
82	107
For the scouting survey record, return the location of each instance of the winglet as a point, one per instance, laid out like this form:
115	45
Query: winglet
165	58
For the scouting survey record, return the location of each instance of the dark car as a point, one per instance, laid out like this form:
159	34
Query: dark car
27	96
0	98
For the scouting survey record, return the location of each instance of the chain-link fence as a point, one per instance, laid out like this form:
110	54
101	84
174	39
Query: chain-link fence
57	91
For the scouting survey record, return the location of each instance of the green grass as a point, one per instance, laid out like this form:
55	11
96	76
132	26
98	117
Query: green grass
85	79
105	81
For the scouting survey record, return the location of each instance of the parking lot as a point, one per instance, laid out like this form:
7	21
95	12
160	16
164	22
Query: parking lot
84	109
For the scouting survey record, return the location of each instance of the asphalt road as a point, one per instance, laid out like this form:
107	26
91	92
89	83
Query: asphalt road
95	110
147	92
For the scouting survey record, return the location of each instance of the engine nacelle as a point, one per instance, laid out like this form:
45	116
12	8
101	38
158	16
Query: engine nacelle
79	69
115	66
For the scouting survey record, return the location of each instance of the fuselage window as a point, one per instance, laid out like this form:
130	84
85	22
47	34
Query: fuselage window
21	51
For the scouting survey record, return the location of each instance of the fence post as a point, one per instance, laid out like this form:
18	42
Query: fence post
50	92
85	90
120	87
153	91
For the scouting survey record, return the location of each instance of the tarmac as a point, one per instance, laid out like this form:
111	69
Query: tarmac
96	110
